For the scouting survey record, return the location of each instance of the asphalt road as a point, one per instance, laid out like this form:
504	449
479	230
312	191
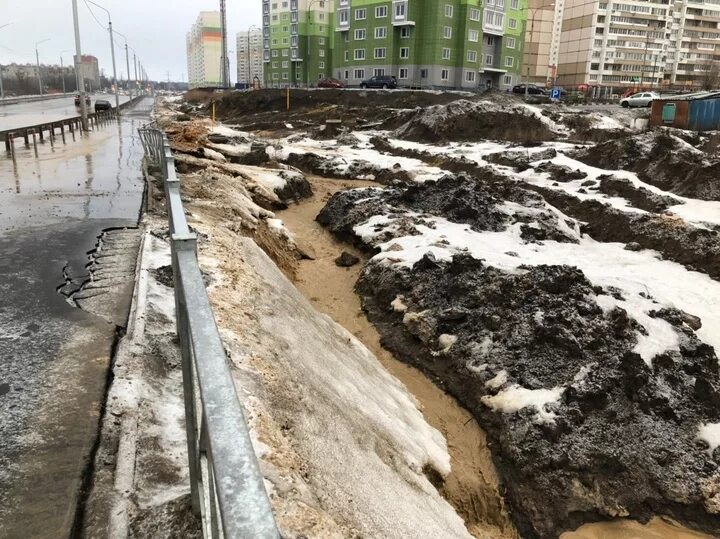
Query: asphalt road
54	356
51	110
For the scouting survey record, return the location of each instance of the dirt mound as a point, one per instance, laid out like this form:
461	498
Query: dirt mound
327	102
519	159
466	120
540	329
638	196
561	173
660	159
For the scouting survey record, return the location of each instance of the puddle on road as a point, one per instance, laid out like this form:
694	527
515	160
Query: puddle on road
472	486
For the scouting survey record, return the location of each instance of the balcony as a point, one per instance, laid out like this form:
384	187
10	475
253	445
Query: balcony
400	13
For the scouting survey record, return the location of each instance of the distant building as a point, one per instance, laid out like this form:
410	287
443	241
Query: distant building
542	41
90	72
249	56
204	50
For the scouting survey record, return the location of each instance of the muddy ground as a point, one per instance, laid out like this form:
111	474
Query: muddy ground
603	416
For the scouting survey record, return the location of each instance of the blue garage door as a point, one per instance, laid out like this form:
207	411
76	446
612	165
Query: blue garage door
705	115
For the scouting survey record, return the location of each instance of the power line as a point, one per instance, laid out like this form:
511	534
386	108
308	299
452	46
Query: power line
93	15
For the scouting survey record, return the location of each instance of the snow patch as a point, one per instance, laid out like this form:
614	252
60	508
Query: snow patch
516	398
710	433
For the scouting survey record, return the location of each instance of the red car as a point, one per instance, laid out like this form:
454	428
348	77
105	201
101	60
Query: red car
330	83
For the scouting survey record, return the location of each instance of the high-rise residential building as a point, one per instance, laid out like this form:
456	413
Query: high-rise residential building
542	41
656	43
423	43
204	50
297	41
430	43
90	72
249	56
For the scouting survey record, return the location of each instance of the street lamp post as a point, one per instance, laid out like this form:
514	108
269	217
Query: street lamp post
62	71
127	62
78	61
2	90
37	59
532	29
112	52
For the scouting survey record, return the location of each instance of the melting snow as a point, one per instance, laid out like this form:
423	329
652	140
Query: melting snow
710	433
517	397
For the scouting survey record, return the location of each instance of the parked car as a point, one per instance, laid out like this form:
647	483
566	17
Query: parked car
380	81
77	100
330	83
532	89
640	99
102	104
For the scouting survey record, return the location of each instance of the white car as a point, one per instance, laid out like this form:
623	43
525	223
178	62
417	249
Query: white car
641	99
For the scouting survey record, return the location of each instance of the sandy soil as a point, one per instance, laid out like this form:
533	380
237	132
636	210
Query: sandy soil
472	486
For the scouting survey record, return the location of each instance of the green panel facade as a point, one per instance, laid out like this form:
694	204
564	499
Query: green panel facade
424	43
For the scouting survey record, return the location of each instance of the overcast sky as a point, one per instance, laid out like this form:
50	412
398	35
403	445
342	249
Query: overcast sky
156	29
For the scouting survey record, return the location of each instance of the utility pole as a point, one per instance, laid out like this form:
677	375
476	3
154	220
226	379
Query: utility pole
37	59
127	63
62	73
223	29
135	63
78	62
112	51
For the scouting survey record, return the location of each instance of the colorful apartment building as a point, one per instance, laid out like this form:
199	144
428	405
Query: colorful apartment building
423	43
204	51
249	56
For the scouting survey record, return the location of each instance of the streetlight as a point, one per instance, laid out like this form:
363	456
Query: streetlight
112	50
37	59
62	70
249	67
127	61
532	29
2	91
78	62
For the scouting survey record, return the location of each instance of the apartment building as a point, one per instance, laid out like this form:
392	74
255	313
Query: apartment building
644	43
430	43
204	50
249	56
542	41
90	72
298	37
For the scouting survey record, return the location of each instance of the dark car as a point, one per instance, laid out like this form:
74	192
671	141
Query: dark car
379	81
102	104
330	83
532	89
77	100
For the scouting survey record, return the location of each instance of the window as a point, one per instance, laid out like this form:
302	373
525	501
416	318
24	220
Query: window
445	74
380	53
507	80
286	64
275	53
344	16
404	52
510	42
405	32
276	76
286	52
347	56
513	4
347	74
474	14
360	14
499	19
381	32
446	54
399	11
447	32
360	34
359	54
275	65
448	10
321	53
359	73
378	72
423	73
473	35
488	59
403	74
321	41
321	65
472	56
380	12
285	76
509	61
512	23
469	76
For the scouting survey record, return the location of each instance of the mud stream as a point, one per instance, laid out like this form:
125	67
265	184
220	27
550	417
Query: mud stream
472	487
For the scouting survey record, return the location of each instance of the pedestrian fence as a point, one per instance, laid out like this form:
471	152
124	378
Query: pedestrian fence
226	485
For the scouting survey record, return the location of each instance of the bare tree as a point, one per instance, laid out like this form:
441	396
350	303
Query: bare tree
710	79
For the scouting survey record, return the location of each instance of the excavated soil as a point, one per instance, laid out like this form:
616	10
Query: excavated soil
660	159
576	467
472	486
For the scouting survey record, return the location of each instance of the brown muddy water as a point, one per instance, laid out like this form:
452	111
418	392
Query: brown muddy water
472	486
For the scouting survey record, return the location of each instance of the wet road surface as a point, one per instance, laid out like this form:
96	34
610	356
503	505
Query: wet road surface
54	357
50	110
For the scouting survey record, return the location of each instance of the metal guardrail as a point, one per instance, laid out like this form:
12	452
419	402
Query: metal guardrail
226	485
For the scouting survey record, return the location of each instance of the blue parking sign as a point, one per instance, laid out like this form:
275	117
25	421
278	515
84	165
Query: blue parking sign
555	93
